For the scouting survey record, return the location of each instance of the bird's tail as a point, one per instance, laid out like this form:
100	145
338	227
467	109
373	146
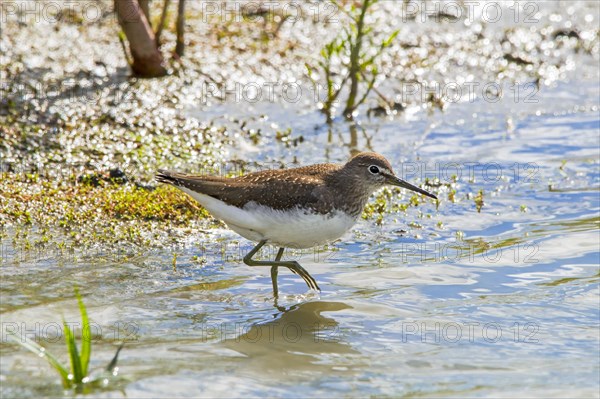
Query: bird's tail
202	184
165	176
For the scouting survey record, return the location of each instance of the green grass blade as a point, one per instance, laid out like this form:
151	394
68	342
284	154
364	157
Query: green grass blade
390	39
74	354
86	336
42	352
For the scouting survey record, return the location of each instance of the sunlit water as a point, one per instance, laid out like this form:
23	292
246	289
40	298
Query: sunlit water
502	302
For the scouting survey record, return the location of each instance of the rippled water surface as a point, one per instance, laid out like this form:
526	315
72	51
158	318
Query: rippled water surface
433	302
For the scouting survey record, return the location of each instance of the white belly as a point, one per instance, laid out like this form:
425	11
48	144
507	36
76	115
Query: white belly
290	229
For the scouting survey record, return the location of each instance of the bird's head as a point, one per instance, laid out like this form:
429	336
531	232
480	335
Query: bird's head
374	171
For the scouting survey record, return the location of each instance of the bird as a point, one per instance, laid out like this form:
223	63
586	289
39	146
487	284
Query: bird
296	208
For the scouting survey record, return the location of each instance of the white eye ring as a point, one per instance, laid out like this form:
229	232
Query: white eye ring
374	169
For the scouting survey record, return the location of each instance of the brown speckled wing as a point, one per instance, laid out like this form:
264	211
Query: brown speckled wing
279	189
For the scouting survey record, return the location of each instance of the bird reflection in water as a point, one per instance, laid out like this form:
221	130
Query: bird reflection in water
297	338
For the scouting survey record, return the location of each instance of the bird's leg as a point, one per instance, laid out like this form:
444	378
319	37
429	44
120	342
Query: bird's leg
250	262
275	271
292	265
300	271
248	258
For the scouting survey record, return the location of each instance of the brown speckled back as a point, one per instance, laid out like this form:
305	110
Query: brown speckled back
320	188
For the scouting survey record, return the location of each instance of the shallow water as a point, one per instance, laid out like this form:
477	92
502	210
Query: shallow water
502	302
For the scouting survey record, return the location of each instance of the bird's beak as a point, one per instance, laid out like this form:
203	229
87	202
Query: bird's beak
396	181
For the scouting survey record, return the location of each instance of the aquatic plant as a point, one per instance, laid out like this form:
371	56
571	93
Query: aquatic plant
348	61
76	375
479	201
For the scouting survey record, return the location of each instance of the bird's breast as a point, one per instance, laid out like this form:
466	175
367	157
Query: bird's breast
291	228
300	228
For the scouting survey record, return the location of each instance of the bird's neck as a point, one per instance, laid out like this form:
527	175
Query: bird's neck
352	194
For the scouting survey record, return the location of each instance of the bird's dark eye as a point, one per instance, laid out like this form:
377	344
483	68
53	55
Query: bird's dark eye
373	169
